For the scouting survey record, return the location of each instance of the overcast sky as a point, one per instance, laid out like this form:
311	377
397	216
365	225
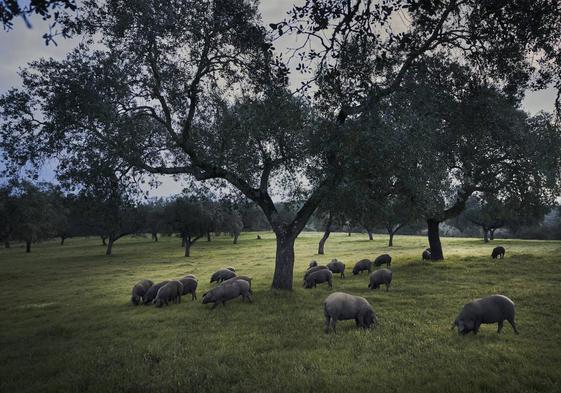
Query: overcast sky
22	45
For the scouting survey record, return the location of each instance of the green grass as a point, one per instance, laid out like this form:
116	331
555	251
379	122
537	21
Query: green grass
67	324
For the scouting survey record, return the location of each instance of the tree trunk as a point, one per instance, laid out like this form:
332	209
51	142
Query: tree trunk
103	240
492	234
369	231
326	234
110	246
62	238
434	240
155	236
208	237
236	235
6	244
349	233
284	261
187	245
485	235
390	243
27	246
321	245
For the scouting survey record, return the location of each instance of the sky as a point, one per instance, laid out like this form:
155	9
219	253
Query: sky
22	45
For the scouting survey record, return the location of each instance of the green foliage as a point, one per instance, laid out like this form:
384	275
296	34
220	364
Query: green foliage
77	331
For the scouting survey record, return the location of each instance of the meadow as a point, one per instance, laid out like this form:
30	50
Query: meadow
67	324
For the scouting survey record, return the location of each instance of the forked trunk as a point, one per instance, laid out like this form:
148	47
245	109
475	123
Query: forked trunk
284	262
434	240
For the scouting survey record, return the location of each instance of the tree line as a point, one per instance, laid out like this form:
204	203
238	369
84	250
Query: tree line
31	213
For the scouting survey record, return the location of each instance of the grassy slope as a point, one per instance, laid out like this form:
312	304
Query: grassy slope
67	324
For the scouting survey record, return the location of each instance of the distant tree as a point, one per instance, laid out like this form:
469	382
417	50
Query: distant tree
189	218
33	215
332	213
253	218
7	213
155	217
232	223
110	214
396	211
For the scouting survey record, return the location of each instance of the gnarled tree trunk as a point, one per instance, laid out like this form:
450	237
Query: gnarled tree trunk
434	240
284	261
325	236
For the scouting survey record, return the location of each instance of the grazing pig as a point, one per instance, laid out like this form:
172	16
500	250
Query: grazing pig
498	252
150	294
379	277
189	286
245	278
317	277
191	276
384	258
490	309
139	290
228	291
221	275
171	292
340	306
312	264
313	270
337	267
362	265
426	255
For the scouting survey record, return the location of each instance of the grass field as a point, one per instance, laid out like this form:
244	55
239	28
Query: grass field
67	323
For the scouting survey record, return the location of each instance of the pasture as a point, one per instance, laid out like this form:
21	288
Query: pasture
68	326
